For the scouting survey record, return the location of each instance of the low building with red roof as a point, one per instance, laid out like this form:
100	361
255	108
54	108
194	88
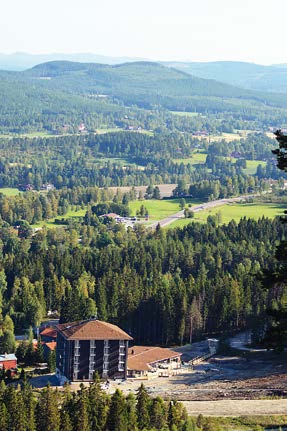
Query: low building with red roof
49	334
8	362
146	361
90	346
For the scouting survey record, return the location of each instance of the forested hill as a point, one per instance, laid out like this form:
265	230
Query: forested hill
59	93
142	83
136	81
245	75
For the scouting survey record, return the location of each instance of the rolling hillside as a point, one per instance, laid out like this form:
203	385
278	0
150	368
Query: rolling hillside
61	91
246	75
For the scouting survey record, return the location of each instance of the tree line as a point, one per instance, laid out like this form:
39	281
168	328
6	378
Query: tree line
191	281
89	409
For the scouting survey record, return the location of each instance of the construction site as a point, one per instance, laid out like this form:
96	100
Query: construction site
208	380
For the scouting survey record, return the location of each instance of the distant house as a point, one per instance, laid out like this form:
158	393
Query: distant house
47	187
49	334
26	187
236	154
48	348
114	216
144	361
8	361
90	346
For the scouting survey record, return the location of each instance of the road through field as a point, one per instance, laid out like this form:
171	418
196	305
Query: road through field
237	407
196	208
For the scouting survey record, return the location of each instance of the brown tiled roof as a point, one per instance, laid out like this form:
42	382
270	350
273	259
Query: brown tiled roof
51	345
111	215
50	331
92	330
143	356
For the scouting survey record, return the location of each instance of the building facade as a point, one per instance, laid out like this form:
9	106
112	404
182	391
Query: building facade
90	346
8	362
149	361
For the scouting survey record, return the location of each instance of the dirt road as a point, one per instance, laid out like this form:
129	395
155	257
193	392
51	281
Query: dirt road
237	407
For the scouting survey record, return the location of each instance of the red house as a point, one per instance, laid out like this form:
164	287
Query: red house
8	361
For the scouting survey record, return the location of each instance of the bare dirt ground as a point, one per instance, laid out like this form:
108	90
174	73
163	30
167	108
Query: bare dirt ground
254	383
237	408
165	189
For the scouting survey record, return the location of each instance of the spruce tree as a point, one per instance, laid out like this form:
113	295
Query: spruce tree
98	405
131	412
143	404
81	411
117	418
4	418
158	413
47	411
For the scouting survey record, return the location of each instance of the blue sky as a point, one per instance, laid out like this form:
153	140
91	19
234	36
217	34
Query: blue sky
204	30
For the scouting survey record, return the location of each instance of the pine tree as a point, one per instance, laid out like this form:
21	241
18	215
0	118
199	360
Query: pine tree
52	361
47	411
4	417
158	413
143	404
16	409
81	411
117	418
29	403
65	421
98	405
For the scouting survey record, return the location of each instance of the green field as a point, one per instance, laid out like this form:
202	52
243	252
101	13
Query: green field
196	159
235	212
51	222
251	166
7	191
159	209
200	158
184	113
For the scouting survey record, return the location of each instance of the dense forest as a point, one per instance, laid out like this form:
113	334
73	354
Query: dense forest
191	281
90	409
60	95
133	158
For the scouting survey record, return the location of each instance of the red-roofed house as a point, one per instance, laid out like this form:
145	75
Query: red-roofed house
49	334
8	361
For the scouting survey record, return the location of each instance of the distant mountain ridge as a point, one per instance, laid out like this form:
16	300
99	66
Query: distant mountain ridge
245	75
154	83
20	61
240	74
59	90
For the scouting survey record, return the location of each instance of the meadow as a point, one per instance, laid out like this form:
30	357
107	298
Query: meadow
75	214
235	212
8	191
159	209
199	158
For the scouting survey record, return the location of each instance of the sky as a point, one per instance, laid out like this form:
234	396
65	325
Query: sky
194	30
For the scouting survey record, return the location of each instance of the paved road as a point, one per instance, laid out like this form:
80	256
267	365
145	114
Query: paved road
196	208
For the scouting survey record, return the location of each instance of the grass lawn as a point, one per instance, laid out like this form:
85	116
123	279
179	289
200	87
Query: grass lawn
236	212
7	191
200	158
51	222
184	113
196	159
251	166
119	161
159	209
